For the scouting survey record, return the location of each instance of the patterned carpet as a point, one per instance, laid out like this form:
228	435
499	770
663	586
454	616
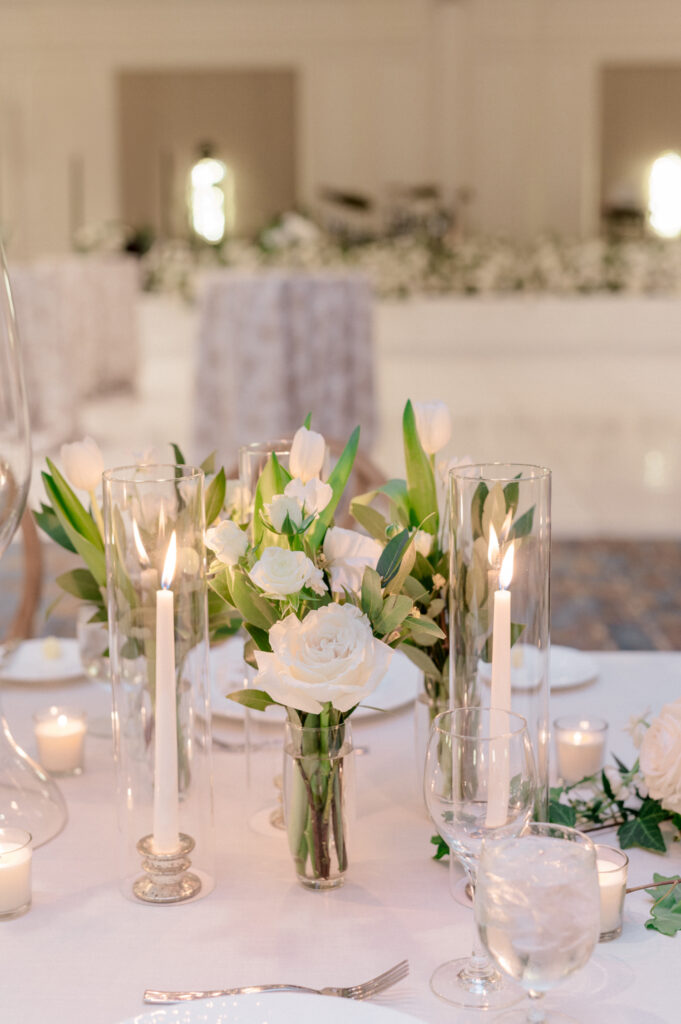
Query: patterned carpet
605	595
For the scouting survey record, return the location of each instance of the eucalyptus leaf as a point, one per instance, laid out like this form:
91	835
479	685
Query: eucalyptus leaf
372	596
419	658
257	700
82	584
369	519
407	564
255	609
396	607
391	557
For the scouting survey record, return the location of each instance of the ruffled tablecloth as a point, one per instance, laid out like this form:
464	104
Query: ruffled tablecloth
276	345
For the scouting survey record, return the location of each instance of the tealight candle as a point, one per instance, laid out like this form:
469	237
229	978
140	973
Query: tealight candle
580	746
15	872
612	882
60	737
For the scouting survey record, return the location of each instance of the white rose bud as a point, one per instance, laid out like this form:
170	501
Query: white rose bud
660	757
307	454
434	425
281	506
347	553
83	464
314	496
280	572
227	542
331	656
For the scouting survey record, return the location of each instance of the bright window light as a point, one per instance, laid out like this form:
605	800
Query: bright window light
664	195
211	199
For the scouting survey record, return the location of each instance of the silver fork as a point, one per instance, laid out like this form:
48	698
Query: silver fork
363	991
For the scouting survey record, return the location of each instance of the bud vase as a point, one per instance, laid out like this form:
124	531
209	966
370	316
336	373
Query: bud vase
319	802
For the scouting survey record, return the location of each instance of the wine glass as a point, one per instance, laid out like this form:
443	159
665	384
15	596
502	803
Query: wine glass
537	908
29	799
479	781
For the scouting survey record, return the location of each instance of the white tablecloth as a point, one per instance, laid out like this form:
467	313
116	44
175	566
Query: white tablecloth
84	953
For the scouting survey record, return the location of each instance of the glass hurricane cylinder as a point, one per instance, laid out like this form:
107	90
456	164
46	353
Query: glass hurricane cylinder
500	527
158	645
319	801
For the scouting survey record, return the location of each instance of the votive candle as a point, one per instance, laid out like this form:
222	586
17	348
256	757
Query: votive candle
15	872
580	747
60	738
612	882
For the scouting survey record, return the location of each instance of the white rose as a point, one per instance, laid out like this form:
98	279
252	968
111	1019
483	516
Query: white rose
331	655
280	572
347	553
660	757
423	542
434	425
314	496
283	505
83	464
307	454
227	542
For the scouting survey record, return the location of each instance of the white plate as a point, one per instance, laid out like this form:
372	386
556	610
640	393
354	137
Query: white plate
28	663
568	667
399	687
272	1008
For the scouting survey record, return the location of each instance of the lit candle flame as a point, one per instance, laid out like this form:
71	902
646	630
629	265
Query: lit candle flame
493	547
506	573
169	564
141	550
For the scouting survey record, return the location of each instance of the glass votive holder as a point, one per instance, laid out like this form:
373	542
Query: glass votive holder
580	746
612	866
60	738
15	872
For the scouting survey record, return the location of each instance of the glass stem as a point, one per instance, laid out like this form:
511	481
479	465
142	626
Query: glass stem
479	967
535	1013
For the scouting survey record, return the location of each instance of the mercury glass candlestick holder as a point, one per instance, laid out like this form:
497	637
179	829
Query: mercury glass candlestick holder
158	645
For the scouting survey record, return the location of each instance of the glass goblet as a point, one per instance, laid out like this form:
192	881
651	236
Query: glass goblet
479	781
537	909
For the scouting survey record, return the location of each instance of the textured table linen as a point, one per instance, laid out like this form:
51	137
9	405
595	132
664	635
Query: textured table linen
85	953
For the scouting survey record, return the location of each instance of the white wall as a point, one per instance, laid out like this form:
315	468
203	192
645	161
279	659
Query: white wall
501	96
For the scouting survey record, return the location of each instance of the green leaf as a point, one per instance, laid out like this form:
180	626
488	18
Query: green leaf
273	480
395	585
477	506
338	478
421	491
442	848
256	610
421	660
415	589
49	524
644	830
372	521
258	700
663	890
72	507
665	913
395	610
177	452
562	814
215	497
261	637
372	596
391	557
523	525
92	556
423	631
512	496
208	464
82	584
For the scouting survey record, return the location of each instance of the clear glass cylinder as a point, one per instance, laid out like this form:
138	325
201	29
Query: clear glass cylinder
319	801
158	645
500	527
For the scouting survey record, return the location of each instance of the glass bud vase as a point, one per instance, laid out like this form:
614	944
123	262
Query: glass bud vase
158	646
431	701
319	802
500	525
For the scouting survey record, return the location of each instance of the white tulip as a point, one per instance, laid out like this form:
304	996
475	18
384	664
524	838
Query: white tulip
434	425
283	505
423	542
227	542
280	572
347	553
313	496
307	454
331	656
83	464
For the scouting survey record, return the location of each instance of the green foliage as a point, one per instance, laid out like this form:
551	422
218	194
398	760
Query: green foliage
338	478
421	492
665	913
215	496
81	584
561	814
273	480
442	850
257	700
644	830
391	557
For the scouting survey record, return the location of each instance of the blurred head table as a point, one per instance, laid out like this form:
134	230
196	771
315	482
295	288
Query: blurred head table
84	952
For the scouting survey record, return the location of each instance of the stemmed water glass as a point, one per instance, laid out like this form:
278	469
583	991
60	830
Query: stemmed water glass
479	782
537	908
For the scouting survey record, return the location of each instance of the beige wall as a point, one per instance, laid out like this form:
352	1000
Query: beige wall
250	117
